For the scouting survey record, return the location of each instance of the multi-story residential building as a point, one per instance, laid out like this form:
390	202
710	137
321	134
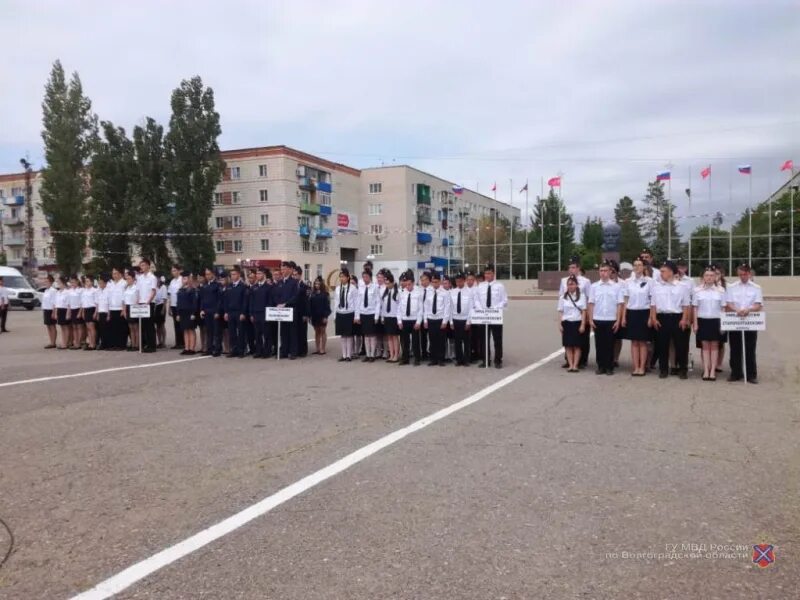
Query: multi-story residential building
13	220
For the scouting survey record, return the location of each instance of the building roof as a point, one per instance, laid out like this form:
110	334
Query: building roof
287	151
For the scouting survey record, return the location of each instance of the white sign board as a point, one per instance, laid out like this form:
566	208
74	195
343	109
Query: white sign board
755	321
487	316
140	311
280	314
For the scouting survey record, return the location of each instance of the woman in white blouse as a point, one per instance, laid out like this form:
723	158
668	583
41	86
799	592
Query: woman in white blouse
345	301
709	301
88	311
48	311
61	313
636	315
131	296
74	298
572	322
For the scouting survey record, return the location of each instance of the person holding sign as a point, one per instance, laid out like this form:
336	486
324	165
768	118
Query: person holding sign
743	297
346	296
709	301
436	314
491	294
572	322
669	314
409	319
606	299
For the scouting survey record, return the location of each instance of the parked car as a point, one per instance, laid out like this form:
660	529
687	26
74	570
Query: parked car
20	291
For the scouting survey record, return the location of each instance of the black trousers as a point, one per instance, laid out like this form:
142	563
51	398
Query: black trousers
272	334
301	330
586	346
750	340
604	345
409	341
288	339
3	317
424	342
263	342
149	330
496	335
176	327
462	340
102	330
437	339
213	333
682	340
670	333
235	333
117	330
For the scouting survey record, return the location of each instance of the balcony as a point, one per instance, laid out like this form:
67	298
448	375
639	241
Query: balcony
12	221
14	241
423	194
324	232
14	262
14	201
307	184
309	208
324	187
445	242
304	230
325	209
424	238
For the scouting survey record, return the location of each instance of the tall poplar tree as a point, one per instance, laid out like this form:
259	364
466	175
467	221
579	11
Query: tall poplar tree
656	221
627	217
154	210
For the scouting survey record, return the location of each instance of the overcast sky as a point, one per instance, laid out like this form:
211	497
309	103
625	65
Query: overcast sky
606	92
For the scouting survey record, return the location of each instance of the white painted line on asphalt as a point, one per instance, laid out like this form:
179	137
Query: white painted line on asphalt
125	579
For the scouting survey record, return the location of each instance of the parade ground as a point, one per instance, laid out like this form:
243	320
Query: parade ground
161	476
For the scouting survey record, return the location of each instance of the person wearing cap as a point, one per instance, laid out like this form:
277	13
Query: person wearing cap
572	322
669	314
462	299
172	294
187	309
491	294
409	319
743	297
257	312
584	285
604	314
345	299
708	301
233	306
636	315
367	312
650	268
209	299
436	313
685	335
288	293
388	317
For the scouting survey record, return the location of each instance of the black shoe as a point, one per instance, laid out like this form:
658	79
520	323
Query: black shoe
216	354
610	372
674	371
341	359
402	362
150	350
734	378
206	353
683	375
753	380
599	371
663	374
498	365
482	365
417	363
292	357
348	359
258	356
234	355
184	352
565	366
365	359
433	363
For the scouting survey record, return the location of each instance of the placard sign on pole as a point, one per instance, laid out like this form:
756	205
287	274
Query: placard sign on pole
279	315
754	321
140	311
486	316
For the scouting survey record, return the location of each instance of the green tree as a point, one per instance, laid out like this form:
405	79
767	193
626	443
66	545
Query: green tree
69	130
656	220
549	215
194	168
591	247
155	213
699	240
627	217
112	208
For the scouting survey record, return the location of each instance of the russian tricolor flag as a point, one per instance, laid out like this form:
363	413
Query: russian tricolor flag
745	169
664	176
458	190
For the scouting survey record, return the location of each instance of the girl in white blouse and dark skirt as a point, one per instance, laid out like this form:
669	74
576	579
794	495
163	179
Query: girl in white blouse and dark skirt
709	302
345	301
636	316
572	322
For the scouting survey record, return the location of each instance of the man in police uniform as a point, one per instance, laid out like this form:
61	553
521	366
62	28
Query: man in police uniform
436	316
491	294
287	297
210	298
409	319
743	297
257	309
233	306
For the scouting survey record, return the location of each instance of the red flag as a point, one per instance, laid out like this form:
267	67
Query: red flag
788	166
554	181
705	172
494	187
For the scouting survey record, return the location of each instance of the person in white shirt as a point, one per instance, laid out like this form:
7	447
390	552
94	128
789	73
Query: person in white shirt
572	322
74	298
380	348
368	306
605	314
117	323
708	301
744	297
4	304
669	314
130	297
636	315
653	272
147	286
88	310
685	335
462	299
409	319
172	293
584	283
48	304
388	316
61	313
160	319
491	294
102	311
345	303
424	338
436	315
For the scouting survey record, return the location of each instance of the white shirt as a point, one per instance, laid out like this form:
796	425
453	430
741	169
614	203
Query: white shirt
372	294
174	286
570	311
498	292
443	307
710	301
689	283
669	297
131	294
116	294
89	298
637	291
3	296
744	295
388	303
146	284
467	302
161	294
410	310
62	299
606	297
350	295
103	295
584	283
74	296
49	298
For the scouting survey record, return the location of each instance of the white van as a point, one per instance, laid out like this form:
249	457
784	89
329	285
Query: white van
20	291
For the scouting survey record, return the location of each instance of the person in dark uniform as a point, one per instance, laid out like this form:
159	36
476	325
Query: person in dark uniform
223	281
187	312
287	297
319	305
209	302
274	299
249	326
301	313
257	308
233	306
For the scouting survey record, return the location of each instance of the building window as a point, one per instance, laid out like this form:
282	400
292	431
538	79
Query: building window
232	222
264	245
262	195
217	198
264	220
376	249
219	246
305	197
237	245
236	173
319	270
302	221
235	197
375	210
306	270
375	188
419	249
376	229
17	191
324	199
262	170
317	247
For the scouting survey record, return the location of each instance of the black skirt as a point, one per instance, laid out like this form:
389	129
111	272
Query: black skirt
708	330
344	324
367	324
76	320
61	316
571	338
88	313
48	317
636	325
390	326
187	323
161	314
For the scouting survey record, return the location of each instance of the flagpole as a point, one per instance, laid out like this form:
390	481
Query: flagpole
526	229
769	221
669	212
730	236
511	229
750	220
541	226
494	230
709	219
791	224
560	203
478	251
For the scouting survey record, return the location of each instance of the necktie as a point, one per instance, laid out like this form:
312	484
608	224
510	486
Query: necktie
366	297
388	301
434	301
341	296
424	295
489	296
458	303
408	305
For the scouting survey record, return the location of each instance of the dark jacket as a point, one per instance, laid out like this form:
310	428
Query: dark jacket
187	300
233	300
319	307
210	297
258	301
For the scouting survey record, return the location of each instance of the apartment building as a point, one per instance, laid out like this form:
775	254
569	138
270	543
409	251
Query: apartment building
13	220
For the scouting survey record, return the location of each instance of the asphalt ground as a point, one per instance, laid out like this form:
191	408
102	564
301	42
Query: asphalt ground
554	485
